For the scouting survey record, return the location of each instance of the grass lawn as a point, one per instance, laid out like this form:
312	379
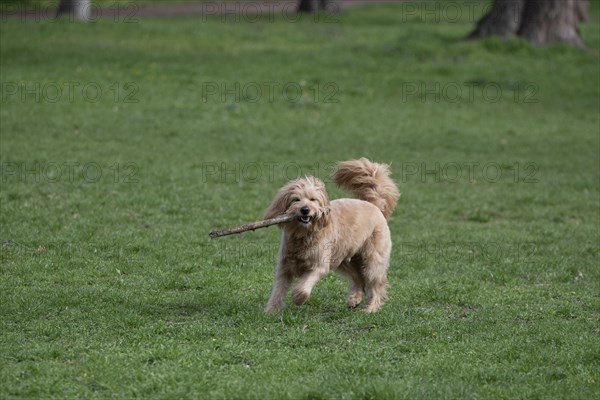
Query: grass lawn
122	144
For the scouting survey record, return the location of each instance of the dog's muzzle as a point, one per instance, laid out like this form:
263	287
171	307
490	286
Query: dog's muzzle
305	219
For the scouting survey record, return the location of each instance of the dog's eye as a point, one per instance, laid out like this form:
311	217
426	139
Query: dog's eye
294	200
313	199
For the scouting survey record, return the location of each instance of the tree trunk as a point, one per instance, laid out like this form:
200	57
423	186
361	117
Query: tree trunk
503	19
539	21
310	6
553	21
79	9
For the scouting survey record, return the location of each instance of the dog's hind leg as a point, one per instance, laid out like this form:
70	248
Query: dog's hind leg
375	274
376	253
377	288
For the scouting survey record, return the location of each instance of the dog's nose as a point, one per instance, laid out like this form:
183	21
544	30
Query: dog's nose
305	210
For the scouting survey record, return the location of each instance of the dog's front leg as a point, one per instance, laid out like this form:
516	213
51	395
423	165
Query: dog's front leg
283	280
306	283
320	267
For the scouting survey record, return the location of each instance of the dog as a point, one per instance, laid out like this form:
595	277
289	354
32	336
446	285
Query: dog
349	236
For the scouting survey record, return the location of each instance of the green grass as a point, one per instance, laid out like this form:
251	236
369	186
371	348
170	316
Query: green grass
44	6
110	287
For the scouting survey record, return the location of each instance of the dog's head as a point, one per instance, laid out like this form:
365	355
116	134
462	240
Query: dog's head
306	199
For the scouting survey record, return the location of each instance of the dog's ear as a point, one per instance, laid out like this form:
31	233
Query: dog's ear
320	186
279	205
323	217
325	199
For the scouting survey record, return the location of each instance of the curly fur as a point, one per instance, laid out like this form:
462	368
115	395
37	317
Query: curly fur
369	182
350	236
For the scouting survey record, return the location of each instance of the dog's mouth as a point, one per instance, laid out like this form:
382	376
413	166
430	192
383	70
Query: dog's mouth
305	219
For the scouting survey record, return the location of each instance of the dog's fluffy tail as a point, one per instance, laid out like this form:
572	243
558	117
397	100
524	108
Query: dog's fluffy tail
369	181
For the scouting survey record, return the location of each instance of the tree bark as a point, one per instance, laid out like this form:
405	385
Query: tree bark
553	21
79	9
539	21
310	6
503	19
250	227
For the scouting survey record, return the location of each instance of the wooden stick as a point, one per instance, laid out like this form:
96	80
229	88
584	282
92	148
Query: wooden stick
250	227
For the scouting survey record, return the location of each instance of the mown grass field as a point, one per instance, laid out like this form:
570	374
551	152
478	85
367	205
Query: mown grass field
122	144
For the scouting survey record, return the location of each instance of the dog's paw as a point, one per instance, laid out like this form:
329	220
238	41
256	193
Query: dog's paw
300	297
354	301
272	308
